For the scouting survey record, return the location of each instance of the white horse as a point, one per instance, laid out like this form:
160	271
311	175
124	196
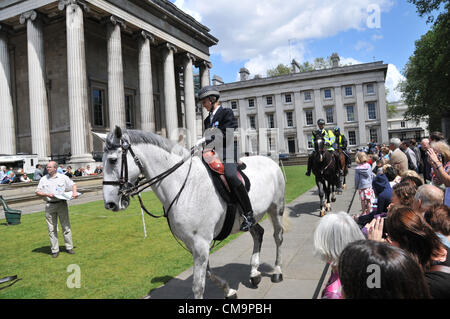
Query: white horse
197	216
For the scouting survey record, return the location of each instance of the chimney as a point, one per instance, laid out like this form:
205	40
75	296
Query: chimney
245	74
335	60
217	80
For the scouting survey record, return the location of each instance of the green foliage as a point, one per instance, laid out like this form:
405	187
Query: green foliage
114	258
280	69
426	89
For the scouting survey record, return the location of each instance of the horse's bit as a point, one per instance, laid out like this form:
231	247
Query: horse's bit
128	189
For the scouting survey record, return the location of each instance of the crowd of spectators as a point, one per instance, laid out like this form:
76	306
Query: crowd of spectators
9	176
401	247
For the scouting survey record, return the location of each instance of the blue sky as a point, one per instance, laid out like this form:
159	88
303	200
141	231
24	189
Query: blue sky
260	34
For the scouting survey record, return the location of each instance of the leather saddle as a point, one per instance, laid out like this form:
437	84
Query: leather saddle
211	158
216	171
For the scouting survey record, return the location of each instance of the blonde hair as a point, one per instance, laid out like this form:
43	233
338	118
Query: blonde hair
411	173
442	148
361	158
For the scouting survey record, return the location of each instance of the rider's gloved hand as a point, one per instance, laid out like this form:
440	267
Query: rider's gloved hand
200	142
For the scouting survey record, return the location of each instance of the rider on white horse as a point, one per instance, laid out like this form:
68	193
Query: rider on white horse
223	119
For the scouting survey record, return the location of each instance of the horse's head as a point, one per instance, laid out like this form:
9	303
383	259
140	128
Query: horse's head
120	170
319	144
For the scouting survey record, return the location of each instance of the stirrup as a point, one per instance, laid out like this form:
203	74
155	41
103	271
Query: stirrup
247	224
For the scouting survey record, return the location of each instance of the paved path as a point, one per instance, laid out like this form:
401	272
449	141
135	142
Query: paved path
301	269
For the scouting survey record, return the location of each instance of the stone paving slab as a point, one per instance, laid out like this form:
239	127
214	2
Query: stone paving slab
301	269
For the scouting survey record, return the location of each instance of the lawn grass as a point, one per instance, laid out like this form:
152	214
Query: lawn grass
114	258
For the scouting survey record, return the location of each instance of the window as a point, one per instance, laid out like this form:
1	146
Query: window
374	135
252	120
251	102
329	114
402	124
272	145
289	120
351	138
98	103
370	88
372	111
269	100
309	141
270	121
348	91
327	93
129	110
233	105
287	98
309	117
350	113
307	95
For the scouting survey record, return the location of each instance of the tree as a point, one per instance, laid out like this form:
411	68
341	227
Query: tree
280	69
426	89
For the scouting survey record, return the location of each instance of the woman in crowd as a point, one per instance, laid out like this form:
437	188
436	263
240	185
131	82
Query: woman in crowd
440	168
438	217
408	230
392	174
374	270
333	233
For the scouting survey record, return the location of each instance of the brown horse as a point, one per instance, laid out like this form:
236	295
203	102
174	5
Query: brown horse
344	168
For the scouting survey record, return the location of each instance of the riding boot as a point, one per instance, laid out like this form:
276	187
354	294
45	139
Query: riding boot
308	169
242	196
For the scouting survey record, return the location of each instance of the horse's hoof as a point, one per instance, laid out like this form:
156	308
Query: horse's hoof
277	278
233	296
333	199
255	280
321	213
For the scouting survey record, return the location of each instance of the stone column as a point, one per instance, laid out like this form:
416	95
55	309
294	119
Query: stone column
7	124
299	122
204	67
383	113
242	126
361	115
170	96
116	92
262	127
40	134
146	82
281	122
339	108
77	83
189	99
318	105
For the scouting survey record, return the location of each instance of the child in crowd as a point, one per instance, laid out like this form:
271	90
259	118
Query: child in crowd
363	182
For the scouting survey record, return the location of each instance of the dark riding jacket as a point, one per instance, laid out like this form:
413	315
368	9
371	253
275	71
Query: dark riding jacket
223	119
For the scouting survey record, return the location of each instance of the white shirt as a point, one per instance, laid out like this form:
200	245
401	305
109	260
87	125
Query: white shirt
213	113
55	185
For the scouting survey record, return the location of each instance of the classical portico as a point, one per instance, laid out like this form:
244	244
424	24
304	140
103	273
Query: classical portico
91	65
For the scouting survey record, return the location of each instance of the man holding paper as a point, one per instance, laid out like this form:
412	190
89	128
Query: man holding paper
51	187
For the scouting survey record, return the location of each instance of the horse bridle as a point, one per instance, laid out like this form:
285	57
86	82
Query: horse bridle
128	189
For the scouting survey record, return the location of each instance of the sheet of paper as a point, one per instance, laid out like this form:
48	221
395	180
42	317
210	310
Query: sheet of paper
66	195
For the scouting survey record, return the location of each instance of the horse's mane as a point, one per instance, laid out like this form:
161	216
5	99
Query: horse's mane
144	137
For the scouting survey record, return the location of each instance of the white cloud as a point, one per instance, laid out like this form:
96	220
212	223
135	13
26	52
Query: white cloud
393	77
247	29
364	46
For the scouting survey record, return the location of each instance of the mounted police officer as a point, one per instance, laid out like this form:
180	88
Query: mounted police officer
341	143
329	139
223	119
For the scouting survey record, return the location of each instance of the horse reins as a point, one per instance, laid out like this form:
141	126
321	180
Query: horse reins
128	189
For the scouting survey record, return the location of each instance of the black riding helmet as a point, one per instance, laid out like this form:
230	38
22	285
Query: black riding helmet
208	91
320	122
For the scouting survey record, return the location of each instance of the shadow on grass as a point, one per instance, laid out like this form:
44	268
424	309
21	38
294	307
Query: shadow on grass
234	273
47	249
